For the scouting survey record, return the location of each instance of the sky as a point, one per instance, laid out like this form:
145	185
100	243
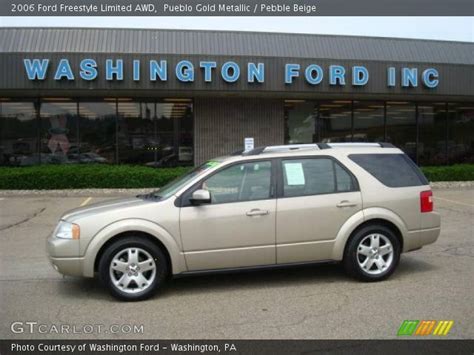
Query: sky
438	28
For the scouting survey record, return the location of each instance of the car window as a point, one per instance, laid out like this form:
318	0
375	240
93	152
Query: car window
314	176
172	187
343	179
241	182
392	170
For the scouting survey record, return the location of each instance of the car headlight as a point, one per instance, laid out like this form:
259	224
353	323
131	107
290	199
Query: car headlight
66	230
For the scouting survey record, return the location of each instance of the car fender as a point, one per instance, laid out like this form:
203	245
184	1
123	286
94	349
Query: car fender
359	218
133	225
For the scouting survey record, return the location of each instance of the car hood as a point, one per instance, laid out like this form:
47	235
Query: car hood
104	207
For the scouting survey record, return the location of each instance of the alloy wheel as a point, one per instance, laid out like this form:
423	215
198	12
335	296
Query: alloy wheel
375	254
132	270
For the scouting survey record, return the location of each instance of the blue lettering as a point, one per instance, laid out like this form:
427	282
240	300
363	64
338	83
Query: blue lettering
227	74
409	77
336	74
430	78
64	69
291	71
88	69
136	70
360	76
310	72
208	66
36	69
111	70
185	71
391	79
255	72
159	70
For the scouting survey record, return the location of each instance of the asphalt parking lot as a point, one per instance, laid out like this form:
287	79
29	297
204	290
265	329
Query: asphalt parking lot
435	283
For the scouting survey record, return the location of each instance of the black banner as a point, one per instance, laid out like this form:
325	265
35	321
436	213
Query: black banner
406	346
236	8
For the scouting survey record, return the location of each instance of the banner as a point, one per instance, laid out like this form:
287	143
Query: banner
132	347
236	8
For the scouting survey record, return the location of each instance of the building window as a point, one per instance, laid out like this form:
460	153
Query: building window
391	121
401	126
58	131
325	121
432	133
97	131
335	119
18	133
300	122
110	130
137	140
369	121
158	134
461	133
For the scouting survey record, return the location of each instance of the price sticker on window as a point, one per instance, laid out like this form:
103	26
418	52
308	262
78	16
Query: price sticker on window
294	174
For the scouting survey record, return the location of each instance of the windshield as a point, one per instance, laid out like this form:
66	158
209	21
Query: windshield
172	187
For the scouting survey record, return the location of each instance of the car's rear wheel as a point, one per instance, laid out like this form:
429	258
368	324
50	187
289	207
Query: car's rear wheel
133	268
372	253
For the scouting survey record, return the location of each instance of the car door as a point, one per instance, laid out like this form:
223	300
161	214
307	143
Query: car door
237	228
316	196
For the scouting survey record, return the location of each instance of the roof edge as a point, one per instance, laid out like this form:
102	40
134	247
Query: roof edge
237	32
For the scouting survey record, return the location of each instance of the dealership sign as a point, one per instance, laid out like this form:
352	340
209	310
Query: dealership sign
230	72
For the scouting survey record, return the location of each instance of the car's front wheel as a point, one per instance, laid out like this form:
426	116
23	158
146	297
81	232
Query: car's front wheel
133	268
372	254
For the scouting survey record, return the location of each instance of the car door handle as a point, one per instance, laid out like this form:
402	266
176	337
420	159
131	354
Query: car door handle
257	212
346	203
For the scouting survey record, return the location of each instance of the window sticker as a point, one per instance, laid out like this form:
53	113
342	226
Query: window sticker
294	173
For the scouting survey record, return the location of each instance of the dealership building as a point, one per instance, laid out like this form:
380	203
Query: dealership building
174	97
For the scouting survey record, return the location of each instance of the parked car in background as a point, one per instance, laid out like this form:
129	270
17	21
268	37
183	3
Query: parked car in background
86	158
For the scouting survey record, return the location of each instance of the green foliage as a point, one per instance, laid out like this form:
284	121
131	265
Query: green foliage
48	177
460	172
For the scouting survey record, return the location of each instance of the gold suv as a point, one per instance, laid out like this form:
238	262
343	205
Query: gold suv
361	204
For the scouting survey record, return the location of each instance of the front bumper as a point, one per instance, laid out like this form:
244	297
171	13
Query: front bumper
64	256
68	266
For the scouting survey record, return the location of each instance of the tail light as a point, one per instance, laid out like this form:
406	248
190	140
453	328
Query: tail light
426	201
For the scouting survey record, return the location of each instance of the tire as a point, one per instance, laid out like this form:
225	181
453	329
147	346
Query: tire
133	268
364	261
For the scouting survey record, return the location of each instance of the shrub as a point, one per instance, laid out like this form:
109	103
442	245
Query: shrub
48	177
86	176
460	172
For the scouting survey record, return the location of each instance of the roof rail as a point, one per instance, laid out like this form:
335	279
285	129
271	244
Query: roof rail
319	146
254	151
280	148
324	146
354	145
238	152
386	145
360	145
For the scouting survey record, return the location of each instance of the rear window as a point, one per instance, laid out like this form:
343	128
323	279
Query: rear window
392	170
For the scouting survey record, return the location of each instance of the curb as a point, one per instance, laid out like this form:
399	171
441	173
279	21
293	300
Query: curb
438	185
452	184
75	192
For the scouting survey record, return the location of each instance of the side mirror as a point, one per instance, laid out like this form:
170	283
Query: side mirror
200	197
